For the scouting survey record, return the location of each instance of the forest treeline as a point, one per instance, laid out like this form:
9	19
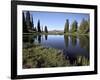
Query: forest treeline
74	27
28	24
82	28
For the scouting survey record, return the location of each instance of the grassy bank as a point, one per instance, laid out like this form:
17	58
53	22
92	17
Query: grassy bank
39	56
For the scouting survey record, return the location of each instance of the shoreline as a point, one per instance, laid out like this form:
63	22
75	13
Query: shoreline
54	34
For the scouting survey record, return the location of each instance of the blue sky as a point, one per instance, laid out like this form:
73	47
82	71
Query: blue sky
56	20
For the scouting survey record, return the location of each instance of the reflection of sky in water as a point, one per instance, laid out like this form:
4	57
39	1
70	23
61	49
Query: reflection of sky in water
72	48
54	41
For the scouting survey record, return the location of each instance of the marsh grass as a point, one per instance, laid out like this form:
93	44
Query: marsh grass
43	57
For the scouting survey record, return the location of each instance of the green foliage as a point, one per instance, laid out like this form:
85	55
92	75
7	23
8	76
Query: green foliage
28	21
32	23
38	26
81	60
84	26
39	56
35	55
74	27
24	23
46	30
66	29
28	24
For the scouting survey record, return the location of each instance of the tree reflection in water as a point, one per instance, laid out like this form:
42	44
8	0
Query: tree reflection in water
73	39
66	39
30	40
39	38
84	42
46	37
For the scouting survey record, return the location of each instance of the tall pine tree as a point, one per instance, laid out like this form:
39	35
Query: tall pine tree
24	23
46	30
38	26
74	26
84	26
66	29
28	20
32	23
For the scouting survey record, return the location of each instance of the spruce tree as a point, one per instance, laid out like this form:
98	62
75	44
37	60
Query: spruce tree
46	30
32	23
74	27
24	23
38	26
66	29
84	26
28	21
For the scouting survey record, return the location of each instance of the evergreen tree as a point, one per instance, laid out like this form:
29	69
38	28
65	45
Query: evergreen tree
24	23
88	26
66	29
84	26
38	26
46	30
32	23
28	21
74	27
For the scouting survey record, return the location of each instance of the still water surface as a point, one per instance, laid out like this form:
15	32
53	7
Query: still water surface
71	45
